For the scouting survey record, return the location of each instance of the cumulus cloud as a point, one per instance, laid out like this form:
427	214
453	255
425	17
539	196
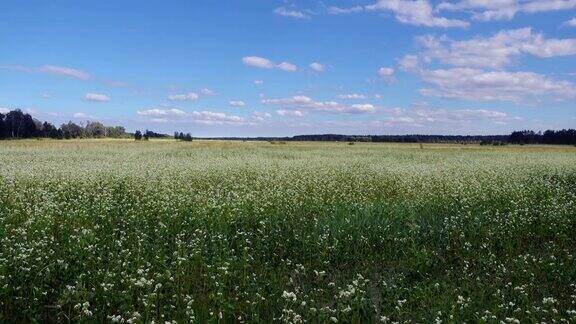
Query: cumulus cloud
190	96
260	116
237	103
290	113
495	51
264	63
51	69
459	115
385	72
81	115
424	117
420	115
295	100
159	120
504	9
343	11
548	5
257	61
4	110
410	63
215	118
201	117
351	96
483	10
412	12
570	23
292	13
476	67
317	67
161	112
288	67
207	92
481	85
303	103
361	108
96	97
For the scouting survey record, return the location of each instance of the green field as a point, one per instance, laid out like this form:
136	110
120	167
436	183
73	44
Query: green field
124	231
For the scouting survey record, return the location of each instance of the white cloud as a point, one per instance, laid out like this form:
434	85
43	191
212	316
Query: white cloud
81	115
459	115
422	116
351	96
385	72
4	110
288	67
259	62
264	63
161	112
46	96
570	23
51	69
258	82
484	9
207	92
410	63
282	11
260	116
206	117
65	71
317	67
237	103
361	108
190	96
468	80
96	97
495	51
291	113
302	103
480	85
295	100
487	10
415	12
343	11
548	5
215	118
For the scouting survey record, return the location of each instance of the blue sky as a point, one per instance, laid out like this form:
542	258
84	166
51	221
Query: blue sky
275	68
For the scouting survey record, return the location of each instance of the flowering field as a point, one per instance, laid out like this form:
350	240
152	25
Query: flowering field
120	231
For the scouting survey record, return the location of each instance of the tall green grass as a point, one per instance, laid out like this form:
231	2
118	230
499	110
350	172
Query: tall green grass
117	231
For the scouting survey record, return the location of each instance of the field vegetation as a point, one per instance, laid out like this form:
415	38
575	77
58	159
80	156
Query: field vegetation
208	231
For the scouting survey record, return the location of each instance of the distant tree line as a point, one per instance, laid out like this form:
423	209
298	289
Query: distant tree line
138	135
379	138
183	137
17	124
565	136
401	138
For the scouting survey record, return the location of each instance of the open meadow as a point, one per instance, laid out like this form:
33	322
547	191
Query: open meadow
213	231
